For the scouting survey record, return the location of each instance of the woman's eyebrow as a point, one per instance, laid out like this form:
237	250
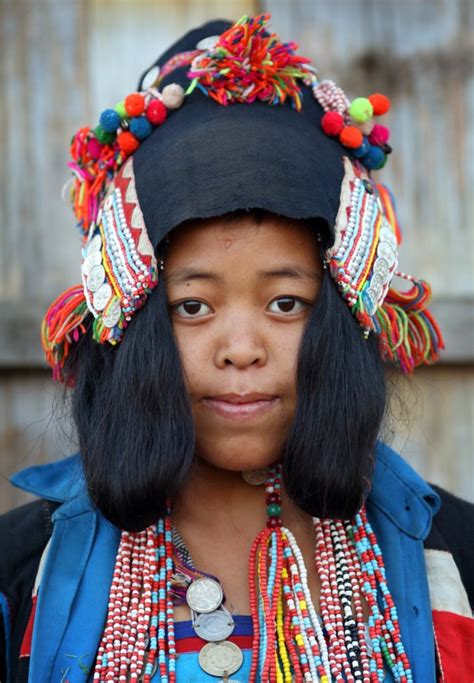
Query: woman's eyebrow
290	271
188	274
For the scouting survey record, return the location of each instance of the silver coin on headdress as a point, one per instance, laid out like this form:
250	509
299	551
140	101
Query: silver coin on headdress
94	245
207	43
95	278
204	595
112	316
376	285
221	659
385	251
91	260
387	235
150	77
102	296
382	268
370	301
214	626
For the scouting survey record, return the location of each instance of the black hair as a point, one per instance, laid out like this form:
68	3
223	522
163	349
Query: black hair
135	426
133	418
341	400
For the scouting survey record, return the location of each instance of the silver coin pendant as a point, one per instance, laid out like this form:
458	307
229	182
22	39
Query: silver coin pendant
204	595
221	659
255	477
214	626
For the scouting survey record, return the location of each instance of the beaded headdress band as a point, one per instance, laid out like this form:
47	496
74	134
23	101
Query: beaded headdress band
244	64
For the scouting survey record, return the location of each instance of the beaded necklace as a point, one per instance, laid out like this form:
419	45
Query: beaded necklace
290	642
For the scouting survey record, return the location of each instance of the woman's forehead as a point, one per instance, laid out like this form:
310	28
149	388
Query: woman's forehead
274	242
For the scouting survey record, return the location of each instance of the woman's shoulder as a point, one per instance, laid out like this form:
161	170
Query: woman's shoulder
451	535
24	533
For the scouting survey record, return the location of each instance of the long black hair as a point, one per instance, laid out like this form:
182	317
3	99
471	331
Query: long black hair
136	431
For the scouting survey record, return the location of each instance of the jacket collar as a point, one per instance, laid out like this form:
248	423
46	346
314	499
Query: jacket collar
397	490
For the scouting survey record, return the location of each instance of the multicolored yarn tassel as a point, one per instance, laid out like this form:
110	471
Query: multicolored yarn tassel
245	65
409	335
63	325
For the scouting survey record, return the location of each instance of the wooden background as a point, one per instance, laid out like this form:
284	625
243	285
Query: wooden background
63	61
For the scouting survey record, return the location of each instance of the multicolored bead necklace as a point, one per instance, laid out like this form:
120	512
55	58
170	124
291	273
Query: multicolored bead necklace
291	642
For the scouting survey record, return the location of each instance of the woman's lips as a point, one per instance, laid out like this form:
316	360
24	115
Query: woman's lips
235	406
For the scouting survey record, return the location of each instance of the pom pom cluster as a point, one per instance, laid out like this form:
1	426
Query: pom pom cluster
97	154
133	119
354	125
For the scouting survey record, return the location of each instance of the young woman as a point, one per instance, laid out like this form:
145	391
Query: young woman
233	513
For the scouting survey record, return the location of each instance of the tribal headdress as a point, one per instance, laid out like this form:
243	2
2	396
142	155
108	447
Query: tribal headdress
188	145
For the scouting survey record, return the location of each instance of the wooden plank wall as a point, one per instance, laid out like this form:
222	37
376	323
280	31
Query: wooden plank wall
63	61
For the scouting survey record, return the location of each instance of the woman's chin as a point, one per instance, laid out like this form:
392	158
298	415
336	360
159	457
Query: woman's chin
239	455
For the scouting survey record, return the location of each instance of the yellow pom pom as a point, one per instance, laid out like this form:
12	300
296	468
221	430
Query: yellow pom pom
361	110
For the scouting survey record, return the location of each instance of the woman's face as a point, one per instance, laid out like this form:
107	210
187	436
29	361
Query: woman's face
239	297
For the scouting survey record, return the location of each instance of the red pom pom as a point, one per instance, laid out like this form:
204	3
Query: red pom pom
351	137
134	104
128	143
380	103
156	112
332	123
379	135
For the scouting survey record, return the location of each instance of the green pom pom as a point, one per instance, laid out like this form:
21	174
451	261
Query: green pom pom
120	109
361	110
104	137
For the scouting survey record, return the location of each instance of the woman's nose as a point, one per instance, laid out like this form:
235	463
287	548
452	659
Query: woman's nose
241	344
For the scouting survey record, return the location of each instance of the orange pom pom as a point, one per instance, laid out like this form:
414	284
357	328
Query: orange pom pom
351	136
128	143
380	103
134	104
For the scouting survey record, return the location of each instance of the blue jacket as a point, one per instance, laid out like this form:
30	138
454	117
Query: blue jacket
72	601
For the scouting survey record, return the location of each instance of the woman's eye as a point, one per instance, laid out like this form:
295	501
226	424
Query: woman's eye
192	309
287	304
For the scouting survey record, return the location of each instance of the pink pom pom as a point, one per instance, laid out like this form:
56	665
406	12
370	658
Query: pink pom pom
380	135
94	148
332	123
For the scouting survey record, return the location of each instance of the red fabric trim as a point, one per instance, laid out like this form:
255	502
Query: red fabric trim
454	640
196	644
25	650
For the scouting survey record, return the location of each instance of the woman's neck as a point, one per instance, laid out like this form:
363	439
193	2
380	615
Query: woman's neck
220	500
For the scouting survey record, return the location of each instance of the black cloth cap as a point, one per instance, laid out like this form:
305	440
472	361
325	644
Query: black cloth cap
207	159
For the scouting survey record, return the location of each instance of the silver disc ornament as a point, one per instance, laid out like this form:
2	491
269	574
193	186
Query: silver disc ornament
94	245
214	626
91	260
385	251
95	278
370	302
102	296
112	314
204	595
386	235
221	659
